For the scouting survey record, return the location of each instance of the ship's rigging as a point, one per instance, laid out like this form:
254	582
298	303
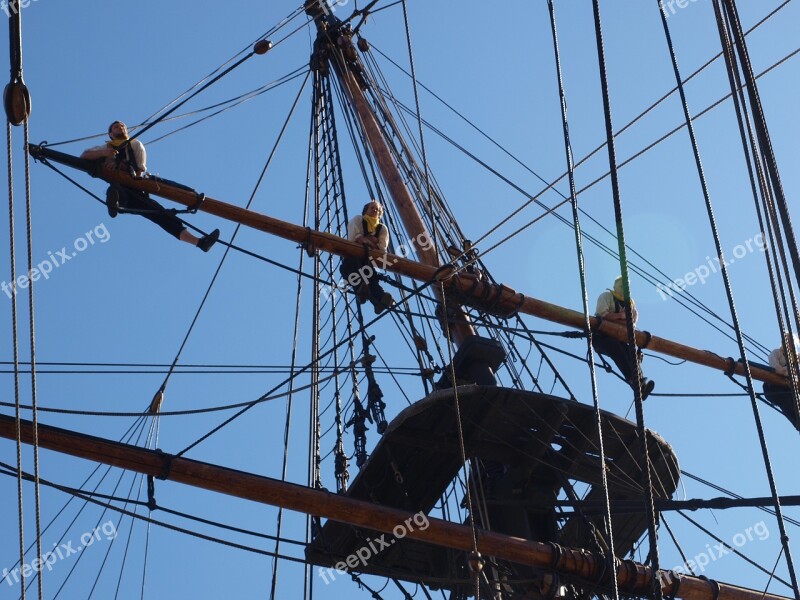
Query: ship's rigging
341	342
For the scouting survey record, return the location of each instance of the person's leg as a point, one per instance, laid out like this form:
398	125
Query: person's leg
781	398
617	352
348	268
157	214
154	212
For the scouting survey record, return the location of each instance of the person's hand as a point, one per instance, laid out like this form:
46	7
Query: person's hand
618	317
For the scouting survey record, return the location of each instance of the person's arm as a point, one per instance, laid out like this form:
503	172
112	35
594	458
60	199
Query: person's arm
141	157
777	360
354	230
383	238
605	305
97	152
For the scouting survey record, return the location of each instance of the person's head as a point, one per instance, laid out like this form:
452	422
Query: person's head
118	131
619	293
373	208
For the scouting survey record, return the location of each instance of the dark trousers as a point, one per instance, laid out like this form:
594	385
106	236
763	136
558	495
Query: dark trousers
133	200
366	274
619	352
781	398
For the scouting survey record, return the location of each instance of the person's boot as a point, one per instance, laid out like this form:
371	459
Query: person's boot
112	202
647	387
386	301
205	242
362	293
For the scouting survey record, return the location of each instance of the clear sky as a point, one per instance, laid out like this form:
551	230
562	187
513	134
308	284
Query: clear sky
130	296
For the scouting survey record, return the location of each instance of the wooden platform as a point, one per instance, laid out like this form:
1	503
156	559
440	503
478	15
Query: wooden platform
532	445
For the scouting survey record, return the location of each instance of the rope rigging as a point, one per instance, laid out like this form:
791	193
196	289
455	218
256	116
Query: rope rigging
17	104
726	282
632	346
609	530
534	198
338	323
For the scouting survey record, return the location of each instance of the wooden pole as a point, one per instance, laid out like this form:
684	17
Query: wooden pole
460	325
499	298
633	578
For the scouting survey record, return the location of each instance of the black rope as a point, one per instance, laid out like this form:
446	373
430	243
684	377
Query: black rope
691	298
15	345
233	237
609	530
731	548
729	292
195	534
637	388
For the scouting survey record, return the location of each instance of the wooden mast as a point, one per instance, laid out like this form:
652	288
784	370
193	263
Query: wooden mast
340	47
495	298
632	578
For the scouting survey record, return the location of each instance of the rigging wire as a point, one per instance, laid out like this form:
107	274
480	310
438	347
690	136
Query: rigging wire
233	237
690	297
297	11
772	227
290	397
600	147
10	471
194	411
419	118
14	335
255	50
195	534
241	100
733	495
632	348
732	549
609	530
729	291
453	382
675	294
32	349
116	486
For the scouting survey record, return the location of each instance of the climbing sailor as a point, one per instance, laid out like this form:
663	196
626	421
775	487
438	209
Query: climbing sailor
360	273
781	396
130	156
611	306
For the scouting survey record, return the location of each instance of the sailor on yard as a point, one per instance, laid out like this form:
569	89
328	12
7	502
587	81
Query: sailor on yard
611	307
130	156
780	396
367	229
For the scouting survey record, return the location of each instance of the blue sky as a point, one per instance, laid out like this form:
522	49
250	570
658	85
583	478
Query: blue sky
131	297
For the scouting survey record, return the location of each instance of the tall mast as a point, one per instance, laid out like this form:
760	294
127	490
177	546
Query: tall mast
335	44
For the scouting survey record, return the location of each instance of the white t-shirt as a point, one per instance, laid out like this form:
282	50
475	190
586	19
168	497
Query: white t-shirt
777	359
355	228
606	304
138	152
